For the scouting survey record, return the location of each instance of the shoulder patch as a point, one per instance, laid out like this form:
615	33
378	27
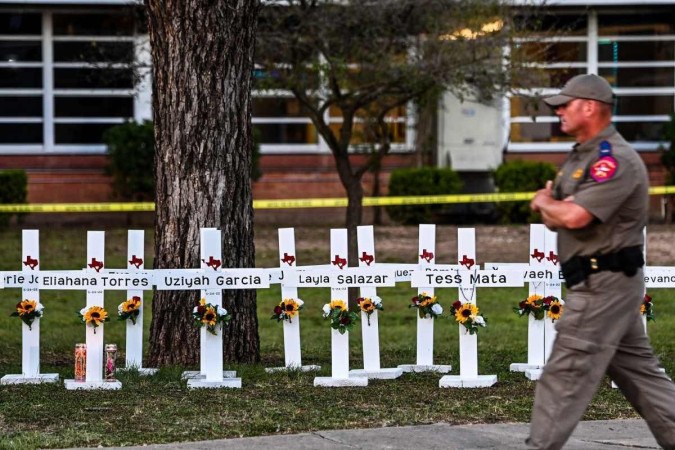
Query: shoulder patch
604	169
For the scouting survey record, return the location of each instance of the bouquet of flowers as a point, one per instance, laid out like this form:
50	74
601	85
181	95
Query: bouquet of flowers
129	309
534	304
28	311
93	316
647	307
540	307
467	315
341	318
287	309
209	316
426	306
554	307
368	305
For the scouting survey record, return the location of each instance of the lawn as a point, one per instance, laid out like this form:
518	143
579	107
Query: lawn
161	409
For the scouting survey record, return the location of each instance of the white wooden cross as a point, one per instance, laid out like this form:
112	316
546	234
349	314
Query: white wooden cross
30	336
134	332
211	346
655	277
468	343
425	325
369	325
545	278
339	342
541	344
95	336
292	353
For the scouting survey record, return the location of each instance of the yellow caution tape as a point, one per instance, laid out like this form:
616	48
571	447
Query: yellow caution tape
76	207
298	203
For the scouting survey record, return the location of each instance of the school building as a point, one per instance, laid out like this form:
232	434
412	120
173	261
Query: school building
63	82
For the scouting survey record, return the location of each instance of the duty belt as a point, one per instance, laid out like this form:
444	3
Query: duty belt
627	260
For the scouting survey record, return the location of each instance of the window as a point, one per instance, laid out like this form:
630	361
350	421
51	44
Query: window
65	78
635	53
21	84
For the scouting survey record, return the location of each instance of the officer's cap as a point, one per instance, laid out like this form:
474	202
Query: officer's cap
589	87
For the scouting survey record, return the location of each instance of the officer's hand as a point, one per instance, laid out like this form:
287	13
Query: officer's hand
541	196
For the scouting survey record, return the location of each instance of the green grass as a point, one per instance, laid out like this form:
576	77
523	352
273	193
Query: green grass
161	409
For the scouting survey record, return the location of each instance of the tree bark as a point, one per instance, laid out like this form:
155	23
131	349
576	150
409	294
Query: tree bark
202	54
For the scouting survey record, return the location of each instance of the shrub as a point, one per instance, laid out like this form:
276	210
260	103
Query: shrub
420	181
13	189
521	176
131	148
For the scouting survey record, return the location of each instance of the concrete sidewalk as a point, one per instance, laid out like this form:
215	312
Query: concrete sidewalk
602	434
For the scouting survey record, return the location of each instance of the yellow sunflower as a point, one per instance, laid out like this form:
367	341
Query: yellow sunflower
338	304
210	317
95	316
428	301
643	308
466	311
555	310
290	307
532	299
26	307
367	305
131	305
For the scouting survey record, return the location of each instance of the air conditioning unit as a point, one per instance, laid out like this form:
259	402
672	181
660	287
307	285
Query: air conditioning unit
471	135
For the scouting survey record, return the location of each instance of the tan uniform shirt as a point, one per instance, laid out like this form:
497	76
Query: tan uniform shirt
620	203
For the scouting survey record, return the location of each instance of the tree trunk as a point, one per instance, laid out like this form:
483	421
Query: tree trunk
202	54
377	210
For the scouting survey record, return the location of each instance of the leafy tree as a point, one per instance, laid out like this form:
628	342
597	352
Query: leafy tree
202	58
364	59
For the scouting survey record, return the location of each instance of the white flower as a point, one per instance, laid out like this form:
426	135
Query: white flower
377	301
478	320
326	310
437	309
221	311
194	310
299	302
39	308
119	308
83	311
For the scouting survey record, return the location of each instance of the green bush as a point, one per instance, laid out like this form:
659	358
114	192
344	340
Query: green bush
13	189
420	181
521	176
131	149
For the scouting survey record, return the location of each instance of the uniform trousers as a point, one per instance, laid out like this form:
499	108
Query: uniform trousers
601	332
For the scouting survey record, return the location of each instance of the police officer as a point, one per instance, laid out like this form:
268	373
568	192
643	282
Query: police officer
599	206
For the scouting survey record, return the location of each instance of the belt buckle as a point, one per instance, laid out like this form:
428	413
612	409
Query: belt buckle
594	263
